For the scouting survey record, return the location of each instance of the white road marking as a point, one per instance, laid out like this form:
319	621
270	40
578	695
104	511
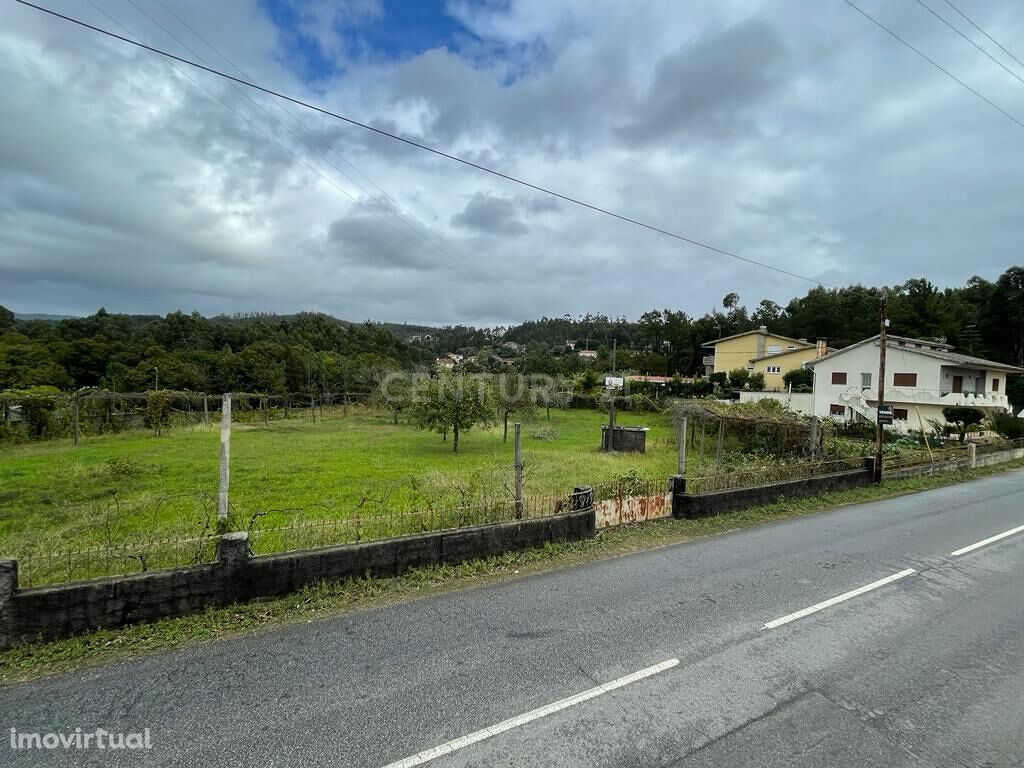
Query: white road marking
989	540
840	598
514	722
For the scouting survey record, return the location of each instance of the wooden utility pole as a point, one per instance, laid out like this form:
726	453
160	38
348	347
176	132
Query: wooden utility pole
681	469
879	427
519	472
225	457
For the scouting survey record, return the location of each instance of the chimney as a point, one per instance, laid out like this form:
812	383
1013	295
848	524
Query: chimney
763	329
822	348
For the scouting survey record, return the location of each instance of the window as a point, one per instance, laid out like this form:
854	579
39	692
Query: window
836	410
838	377
773	369
865	379
995	385
904	379
774	349
899	414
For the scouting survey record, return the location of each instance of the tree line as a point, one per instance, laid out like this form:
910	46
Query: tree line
311	352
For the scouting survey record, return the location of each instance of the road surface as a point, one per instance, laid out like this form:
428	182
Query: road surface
871	635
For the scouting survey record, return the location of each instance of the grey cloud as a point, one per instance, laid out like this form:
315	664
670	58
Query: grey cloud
710	87
364	239
490	215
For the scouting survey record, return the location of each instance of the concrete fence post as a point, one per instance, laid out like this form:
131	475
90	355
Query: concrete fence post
972	455
677	487
8	586
233	549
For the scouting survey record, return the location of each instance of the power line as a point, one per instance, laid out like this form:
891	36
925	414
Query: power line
924	56
986	34
965	37
428	148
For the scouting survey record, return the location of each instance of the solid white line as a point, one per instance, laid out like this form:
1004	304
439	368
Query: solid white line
514	722
989	540
840	598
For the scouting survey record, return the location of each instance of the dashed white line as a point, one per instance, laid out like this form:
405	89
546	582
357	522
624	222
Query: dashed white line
838	599
983	542
514	722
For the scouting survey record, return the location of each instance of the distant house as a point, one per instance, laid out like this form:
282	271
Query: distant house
659	380
738	350
514	347
445	362
571	344
420	339
921	378
775	365
588	354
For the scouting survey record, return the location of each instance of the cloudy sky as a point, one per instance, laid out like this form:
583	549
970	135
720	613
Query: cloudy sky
791	132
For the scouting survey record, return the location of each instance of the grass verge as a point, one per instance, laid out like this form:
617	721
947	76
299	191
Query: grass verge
33	660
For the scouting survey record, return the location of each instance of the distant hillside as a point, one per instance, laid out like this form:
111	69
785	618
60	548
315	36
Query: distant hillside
39	316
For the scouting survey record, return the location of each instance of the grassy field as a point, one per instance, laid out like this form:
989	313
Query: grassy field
137	485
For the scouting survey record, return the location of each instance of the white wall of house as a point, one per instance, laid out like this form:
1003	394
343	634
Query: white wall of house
801	402
913	404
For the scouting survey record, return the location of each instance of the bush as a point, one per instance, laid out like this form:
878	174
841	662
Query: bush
545	433
1007	425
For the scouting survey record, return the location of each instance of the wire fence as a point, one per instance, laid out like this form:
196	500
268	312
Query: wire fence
113	551
768	474
353	530
55	566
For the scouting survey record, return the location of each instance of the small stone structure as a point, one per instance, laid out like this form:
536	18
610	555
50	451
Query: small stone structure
627	439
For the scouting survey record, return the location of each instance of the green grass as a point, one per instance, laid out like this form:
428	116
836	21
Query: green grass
135	485
33	660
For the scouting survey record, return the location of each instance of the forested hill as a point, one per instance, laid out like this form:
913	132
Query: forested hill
252	353
270	353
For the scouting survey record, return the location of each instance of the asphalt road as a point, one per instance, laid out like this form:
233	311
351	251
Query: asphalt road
661	658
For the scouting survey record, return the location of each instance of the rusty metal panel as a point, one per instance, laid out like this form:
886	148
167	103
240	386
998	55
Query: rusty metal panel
623	510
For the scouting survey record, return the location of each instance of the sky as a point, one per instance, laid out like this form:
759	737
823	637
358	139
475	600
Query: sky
792	133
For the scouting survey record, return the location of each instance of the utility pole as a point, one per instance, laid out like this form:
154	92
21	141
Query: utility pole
156	371
879	426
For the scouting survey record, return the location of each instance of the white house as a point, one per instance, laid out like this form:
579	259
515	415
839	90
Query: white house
921	378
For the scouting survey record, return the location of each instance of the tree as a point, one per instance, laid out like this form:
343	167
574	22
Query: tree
517	398
453	402
719	379
730	300
800	379
6	319
756	382
738	378
963	416
396	394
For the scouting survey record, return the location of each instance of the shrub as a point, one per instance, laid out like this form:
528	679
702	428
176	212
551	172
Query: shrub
1007	425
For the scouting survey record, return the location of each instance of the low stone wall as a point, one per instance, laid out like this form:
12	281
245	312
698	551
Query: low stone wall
47	613
692	506
988	459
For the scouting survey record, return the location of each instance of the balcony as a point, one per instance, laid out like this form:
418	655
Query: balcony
709	361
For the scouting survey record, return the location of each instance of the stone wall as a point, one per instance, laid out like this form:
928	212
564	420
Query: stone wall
48	613
692	506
